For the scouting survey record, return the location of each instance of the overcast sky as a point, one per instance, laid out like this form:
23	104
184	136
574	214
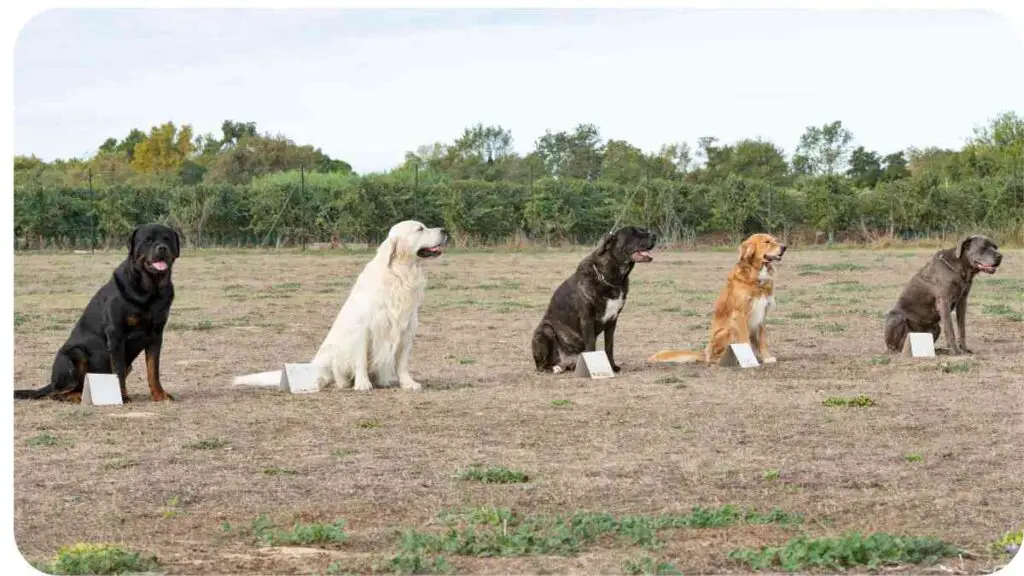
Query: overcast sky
366	86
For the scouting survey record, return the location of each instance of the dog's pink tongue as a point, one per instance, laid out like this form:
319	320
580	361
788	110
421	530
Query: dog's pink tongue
161	266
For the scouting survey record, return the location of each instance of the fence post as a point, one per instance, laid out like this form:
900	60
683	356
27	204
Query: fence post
92	219
302	198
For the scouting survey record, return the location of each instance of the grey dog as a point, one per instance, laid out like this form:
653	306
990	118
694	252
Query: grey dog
940	287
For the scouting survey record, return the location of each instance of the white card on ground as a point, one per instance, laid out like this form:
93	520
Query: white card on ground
594	365
741	355
300	378
101	390
919	345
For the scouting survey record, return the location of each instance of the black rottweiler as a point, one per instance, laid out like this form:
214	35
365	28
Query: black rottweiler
126	316
589	302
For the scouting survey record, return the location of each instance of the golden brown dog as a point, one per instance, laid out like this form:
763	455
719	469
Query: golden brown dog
743	305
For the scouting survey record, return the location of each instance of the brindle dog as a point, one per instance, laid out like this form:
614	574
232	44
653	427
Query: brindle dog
589	302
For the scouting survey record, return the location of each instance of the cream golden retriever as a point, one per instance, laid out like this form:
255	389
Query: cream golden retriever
742	306
371	339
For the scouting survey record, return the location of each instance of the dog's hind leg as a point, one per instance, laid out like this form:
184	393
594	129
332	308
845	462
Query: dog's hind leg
896	330
67	377
543	347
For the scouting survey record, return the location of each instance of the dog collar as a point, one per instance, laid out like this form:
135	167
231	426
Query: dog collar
601	277
962	275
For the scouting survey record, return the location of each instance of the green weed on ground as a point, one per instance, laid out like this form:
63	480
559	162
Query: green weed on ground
859	401
1009	543
492	532
848	551
97	559
300	534
494	475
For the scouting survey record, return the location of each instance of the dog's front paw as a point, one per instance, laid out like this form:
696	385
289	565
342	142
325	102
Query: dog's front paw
616	368
557	369
965	349
164	396
126	398
362	385
410	384
769	360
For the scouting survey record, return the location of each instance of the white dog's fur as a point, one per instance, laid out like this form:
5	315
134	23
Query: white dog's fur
371	338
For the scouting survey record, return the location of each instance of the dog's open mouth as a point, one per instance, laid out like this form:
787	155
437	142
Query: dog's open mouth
158	266
642	256
986	268
770	261
431	252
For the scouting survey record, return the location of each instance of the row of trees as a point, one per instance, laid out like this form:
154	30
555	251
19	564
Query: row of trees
244	187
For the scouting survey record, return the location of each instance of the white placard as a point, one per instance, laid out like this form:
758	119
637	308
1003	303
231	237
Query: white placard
919	345
101	390
594	365
300	378
741	355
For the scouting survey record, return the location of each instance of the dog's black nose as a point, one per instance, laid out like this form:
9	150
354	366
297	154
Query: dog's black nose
782	249
161	249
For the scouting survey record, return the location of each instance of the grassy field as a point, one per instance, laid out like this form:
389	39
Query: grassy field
495	468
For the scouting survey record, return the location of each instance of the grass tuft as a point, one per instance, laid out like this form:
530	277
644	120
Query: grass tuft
494	475
859	401
1003	311
831	328
955	367
44	439
300	534
848	551
206	444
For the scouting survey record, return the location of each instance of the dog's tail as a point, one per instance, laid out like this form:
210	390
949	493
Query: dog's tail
34	394
543	346
62	376
896	330
261	379
677	357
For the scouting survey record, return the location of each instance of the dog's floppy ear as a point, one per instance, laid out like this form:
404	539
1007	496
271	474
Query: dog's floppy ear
606	243
747	251
963	244
177	243
392	248
131	242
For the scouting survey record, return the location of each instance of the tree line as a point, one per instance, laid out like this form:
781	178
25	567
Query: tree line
247	188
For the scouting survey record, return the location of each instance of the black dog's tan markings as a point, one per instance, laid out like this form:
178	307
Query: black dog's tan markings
124	318
937	290
589	302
